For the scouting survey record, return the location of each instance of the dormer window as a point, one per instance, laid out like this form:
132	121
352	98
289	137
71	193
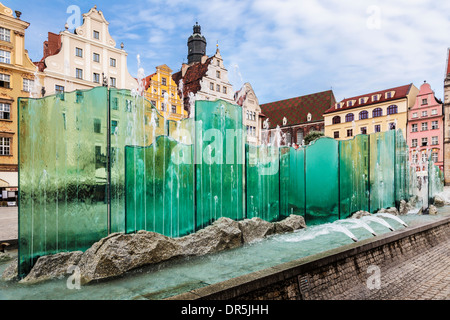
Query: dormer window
340	105
376	98
390	94
350	103
362	100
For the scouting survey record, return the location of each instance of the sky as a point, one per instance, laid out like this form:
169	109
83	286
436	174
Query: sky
284	48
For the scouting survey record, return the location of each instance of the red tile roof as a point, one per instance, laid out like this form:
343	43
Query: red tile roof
191	80
400	92
296	109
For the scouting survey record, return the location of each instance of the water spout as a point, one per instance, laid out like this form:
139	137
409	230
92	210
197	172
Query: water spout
380	221
339	228
362	224
391	216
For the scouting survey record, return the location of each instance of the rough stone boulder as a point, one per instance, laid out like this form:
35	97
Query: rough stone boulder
438	201
360	214
405	207
5	256
432	210
392	210
119	253
52	267
223	234
290	224
11	272
255	229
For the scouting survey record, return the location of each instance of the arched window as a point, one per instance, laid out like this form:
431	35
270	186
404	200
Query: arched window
363	115
349	117
392	109
378	112
336	120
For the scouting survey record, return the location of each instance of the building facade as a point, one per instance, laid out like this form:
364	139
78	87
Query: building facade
369	113
203	78
251	113
162	92
296	117
425	135
84	59
17	79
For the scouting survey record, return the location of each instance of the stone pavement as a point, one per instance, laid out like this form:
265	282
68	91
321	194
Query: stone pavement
9	226
425	276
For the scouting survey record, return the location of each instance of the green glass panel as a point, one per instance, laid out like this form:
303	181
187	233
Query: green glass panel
62	174
353	175
297	181
219	161
401	168
322	190
382	170
263	182
285	209
160	188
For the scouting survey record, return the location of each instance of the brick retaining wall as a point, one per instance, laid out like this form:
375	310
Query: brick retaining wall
342	273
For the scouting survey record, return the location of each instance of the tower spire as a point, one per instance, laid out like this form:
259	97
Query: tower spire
196	45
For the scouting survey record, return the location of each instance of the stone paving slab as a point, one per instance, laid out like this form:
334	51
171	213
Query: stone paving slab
423	277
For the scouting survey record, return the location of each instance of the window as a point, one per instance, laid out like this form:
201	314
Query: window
434	112
79	97
174	109
112	62
300	137
434	140
96	35
377	128
374	98
163	93
414	143
218	74
115	104
164	81
424	101
392	126
96	77
5	80
424	142
424	158
59	90
5	56
97	126
362	100
112	82
336	120
415	158
5	34
434	125
79	52
218	88
424	126
388	95
378	112
414	115
424	113
114	127
363	115
96	57
5	146
211	86
5	111
163	106
336	134
79	73
414	128
225	90
350	133
349	117
434	157
364	130
350	103
392	109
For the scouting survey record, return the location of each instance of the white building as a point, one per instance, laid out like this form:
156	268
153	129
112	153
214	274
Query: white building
84	59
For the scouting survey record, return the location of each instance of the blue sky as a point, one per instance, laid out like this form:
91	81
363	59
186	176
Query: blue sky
284	48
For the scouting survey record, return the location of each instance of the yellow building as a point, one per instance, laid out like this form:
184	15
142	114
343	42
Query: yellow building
374	112
162	92
17	79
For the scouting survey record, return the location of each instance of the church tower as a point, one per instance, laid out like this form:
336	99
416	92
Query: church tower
447	121
196	45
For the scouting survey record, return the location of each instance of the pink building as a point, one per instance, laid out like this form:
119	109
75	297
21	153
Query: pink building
425	130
